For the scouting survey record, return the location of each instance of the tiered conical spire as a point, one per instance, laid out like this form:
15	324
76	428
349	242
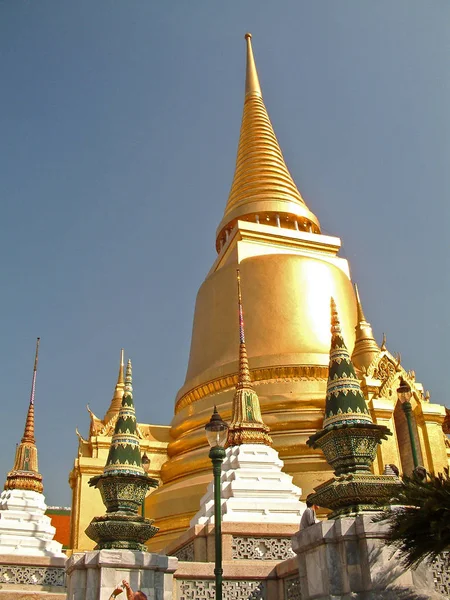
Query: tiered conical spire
116	401
247	426
124	454
349	439
25	474
366	348
262	184
345	402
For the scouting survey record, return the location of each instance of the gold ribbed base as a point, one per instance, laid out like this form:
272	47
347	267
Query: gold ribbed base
24	480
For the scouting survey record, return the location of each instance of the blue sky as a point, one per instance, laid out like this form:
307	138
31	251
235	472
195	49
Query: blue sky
119	124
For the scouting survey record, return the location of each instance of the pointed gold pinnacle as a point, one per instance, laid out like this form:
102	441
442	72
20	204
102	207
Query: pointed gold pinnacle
251	76
262	185
116	401
366	348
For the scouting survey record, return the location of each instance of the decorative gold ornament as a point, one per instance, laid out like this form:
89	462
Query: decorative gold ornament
247	425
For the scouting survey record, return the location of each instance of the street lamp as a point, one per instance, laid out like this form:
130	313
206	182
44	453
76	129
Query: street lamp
216	434
404	395
146	466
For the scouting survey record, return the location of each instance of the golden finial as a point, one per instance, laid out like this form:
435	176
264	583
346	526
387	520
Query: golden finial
335	323
116	401
383	343
28	434
360	312
25	474
366	348
120	378
262	184
247	425
244	371
251	77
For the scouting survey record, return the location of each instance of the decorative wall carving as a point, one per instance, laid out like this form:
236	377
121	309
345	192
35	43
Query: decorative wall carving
26	575
261	548
201	589
441	574
185	553
292	589
384	370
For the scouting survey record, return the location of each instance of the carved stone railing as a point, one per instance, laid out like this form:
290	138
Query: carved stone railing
441	574
29	575
204	589
34	574
185	553
261	548
292	589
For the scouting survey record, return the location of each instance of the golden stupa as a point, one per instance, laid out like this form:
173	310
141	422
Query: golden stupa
289	270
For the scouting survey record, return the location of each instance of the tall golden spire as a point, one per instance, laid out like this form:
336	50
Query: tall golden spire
116	401
262	189
247	426
366	348
25	474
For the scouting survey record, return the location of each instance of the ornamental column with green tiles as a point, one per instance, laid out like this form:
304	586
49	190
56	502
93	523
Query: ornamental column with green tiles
123	485
349	439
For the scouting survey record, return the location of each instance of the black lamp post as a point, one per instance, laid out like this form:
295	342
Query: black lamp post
216	434
146	466
404	395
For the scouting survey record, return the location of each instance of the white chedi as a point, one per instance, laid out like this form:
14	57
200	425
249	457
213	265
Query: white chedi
254	489
25	529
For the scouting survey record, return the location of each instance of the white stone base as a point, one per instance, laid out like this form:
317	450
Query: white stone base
24	528
254	489
94	575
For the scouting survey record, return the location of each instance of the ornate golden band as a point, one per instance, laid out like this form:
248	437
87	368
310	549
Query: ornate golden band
288	373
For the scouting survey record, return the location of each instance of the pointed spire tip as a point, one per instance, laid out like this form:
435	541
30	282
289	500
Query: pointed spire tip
360	313
335	323
120	378
252	86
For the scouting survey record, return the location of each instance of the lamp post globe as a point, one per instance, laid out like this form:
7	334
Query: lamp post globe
216	434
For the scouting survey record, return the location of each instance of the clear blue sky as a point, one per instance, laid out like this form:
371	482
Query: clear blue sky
119	123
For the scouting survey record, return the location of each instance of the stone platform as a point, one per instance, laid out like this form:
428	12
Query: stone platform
348	558
94	575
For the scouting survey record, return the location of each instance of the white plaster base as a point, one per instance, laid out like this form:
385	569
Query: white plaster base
94	575
254	489
342	558
24	528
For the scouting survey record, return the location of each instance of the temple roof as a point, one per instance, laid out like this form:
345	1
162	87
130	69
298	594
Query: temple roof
262	184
